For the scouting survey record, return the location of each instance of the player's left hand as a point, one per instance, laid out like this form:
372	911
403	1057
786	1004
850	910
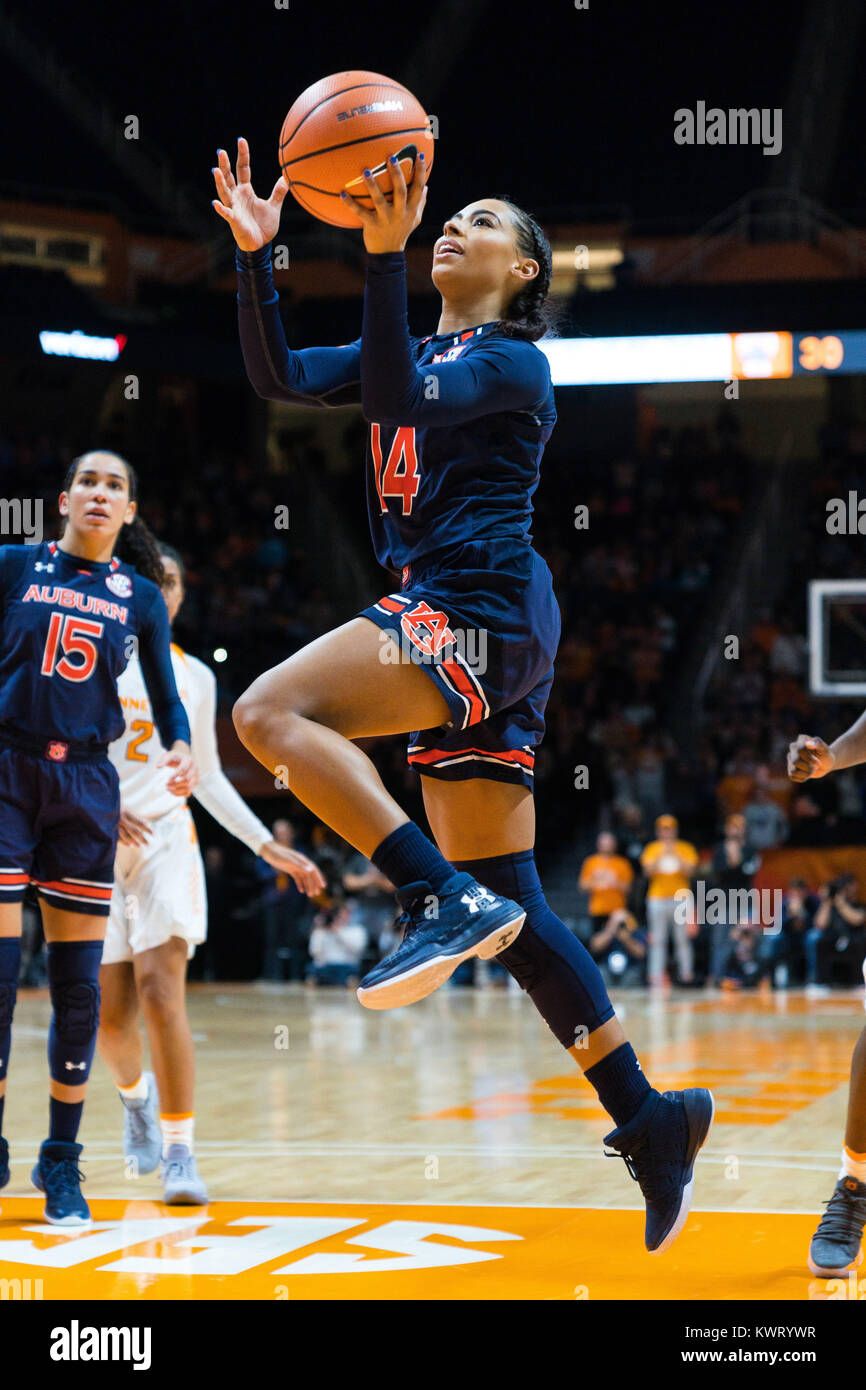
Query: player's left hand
391	221
185	774
302	871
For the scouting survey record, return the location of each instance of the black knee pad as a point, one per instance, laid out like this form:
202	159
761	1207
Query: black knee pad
8	995
76	1010
527	960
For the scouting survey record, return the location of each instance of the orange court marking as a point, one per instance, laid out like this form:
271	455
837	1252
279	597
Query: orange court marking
288	1251
742	1097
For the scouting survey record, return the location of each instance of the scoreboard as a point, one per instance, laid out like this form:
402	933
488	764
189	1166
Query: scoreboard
822	353
705	357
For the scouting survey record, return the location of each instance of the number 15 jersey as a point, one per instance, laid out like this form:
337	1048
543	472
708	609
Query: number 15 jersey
68	627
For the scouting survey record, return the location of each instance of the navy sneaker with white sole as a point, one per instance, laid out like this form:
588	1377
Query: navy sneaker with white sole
660	1145
57	1174
835	1247
440	931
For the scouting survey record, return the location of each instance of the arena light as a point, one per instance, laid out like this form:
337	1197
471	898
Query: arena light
626	361
83	345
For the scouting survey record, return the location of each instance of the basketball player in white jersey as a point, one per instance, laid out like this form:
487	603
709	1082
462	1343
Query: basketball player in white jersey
158	913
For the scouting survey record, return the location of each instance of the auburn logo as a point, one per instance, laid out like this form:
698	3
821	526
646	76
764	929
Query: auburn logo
427	630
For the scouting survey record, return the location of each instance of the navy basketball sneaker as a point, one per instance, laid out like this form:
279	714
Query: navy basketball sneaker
440	931
835	1247
56	1173
659	1146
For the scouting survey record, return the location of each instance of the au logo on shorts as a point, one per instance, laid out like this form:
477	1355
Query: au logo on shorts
427	630
57	751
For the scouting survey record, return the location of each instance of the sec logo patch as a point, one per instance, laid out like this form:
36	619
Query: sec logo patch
119	584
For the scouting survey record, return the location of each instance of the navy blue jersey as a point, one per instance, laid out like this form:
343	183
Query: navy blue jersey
458	422
66	626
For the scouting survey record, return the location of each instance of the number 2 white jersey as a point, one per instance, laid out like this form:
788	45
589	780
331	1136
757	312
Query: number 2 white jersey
143	787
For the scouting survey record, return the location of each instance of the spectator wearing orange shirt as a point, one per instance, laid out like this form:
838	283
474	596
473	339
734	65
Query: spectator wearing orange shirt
607	877
669	863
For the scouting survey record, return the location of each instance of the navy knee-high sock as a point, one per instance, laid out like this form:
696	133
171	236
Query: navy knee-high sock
73	982
10	965
407	856
562	980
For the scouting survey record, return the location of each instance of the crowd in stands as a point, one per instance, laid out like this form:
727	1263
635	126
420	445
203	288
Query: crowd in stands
666	911
631	587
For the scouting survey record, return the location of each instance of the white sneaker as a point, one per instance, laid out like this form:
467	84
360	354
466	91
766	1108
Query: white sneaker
182	1185
142	1141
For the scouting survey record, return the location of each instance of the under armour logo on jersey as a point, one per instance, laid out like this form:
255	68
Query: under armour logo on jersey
41	566
478	899
75	1066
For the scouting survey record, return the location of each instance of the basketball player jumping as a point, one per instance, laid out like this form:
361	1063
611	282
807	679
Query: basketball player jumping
458	424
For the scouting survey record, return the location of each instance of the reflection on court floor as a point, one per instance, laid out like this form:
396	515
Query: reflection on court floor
444	1151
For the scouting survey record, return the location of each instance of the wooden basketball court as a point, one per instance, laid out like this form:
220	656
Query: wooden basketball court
448	1150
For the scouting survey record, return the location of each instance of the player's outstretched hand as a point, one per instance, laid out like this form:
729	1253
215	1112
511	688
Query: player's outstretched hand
809	757
185	773
301	870
390	222
254	221
132	829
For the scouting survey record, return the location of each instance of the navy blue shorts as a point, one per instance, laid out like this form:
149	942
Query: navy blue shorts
484	624
58	829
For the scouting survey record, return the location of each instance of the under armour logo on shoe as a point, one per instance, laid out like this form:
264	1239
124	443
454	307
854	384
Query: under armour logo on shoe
75	1066
478	899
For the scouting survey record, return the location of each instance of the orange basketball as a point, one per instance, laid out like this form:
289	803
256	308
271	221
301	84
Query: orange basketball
343	125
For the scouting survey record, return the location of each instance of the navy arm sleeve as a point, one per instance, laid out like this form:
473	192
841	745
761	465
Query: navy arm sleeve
500	375
322	376
154	652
